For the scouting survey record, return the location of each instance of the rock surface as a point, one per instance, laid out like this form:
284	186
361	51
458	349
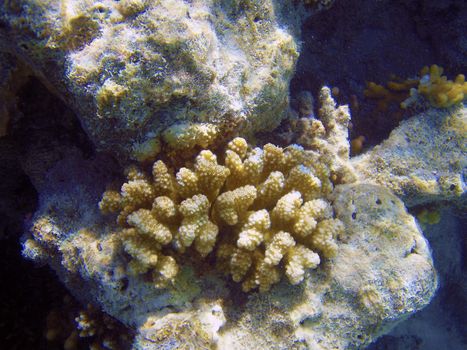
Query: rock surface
440	324
424	160
132	68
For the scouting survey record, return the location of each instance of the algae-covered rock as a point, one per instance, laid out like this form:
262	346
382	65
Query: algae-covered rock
132	68
424	160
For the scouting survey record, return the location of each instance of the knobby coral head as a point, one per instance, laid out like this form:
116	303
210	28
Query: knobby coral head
261	212
257	212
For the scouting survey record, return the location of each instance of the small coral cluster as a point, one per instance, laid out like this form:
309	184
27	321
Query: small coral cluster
189	135
70	326
395	91
258	211
440	91
435	87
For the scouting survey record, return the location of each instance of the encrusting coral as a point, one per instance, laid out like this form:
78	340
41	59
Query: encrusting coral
259	212
189	135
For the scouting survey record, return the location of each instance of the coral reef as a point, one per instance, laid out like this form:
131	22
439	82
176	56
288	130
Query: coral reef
253	213
335	256
258	208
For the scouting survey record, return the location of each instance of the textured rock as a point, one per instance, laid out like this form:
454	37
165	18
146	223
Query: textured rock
441	324
132	68
423	160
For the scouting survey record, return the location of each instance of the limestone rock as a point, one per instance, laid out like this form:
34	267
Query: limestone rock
424	160
132	68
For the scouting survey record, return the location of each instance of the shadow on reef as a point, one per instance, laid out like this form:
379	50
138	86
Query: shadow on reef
386	38
42	130
27	296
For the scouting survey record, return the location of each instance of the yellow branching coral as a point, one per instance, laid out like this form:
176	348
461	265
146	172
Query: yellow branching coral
310	212
440	91
269	191
395	91
238	146
165	272
435	87
300	258
240	263
262	213
324	236
303	179
196	225
111	202
231	206
253	231
287	207
164	209
164	181
142	249
147	224
278	247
